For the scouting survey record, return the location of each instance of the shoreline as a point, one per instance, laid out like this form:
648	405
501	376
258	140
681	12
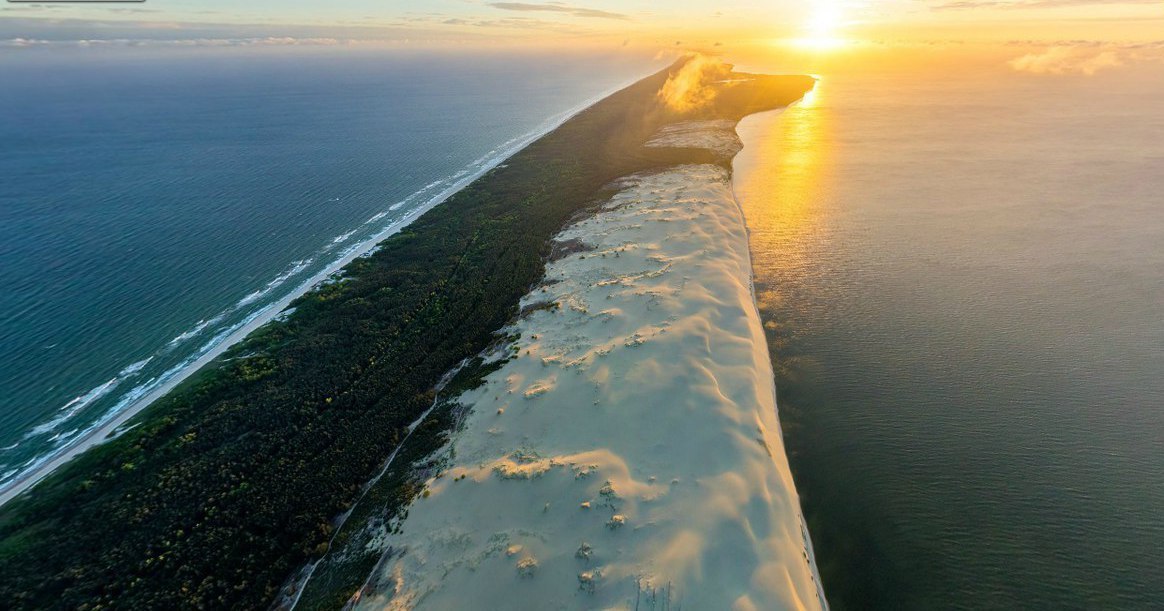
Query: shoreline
771	355
255	461
109	430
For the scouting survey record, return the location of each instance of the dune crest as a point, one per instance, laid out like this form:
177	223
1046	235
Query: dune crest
628	455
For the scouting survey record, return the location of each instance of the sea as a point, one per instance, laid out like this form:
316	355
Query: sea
152	203
961	275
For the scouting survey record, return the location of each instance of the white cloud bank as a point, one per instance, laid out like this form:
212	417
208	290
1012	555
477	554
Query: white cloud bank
270	41
1066	60
1086	57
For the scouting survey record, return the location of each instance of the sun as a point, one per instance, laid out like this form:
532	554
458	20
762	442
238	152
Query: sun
822	26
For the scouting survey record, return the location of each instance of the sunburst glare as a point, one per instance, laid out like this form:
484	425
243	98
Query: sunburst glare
821	30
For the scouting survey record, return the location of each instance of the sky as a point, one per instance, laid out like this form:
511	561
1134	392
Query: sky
1082	36
596	20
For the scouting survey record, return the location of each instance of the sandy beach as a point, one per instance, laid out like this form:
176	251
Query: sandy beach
628	455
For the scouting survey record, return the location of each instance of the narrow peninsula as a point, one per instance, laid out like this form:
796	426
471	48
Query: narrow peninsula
550	391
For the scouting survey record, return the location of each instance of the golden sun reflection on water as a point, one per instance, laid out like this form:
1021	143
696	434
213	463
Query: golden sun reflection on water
782	182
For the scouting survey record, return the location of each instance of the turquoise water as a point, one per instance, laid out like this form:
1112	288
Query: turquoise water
151	203
962	278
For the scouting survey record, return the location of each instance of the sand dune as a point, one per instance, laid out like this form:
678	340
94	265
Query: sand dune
629	454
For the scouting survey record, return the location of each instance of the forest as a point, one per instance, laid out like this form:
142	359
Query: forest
232	482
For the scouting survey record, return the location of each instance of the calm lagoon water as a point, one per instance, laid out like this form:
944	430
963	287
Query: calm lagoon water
152	202
962	278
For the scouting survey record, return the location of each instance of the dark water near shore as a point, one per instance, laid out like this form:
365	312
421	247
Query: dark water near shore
963	282
151	202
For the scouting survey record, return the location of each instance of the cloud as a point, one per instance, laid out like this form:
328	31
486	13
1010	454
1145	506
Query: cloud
575	11
1086	57
269	41
1029	4
23	42
512	23
689	88
1066	60
65	32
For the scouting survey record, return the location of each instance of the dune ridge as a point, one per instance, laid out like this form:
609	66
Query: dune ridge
628	454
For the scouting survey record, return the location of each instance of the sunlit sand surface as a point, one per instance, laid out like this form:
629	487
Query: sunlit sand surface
629	454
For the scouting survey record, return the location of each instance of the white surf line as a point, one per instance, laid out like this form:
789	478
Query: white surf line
109	430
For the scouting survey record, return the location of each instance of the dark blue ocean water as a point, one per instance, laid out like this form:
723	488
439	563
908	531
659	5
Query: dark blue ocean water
151	203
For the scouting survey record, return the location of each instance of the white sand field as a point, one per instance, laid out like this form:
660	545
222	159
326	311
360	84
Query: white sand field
629	455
